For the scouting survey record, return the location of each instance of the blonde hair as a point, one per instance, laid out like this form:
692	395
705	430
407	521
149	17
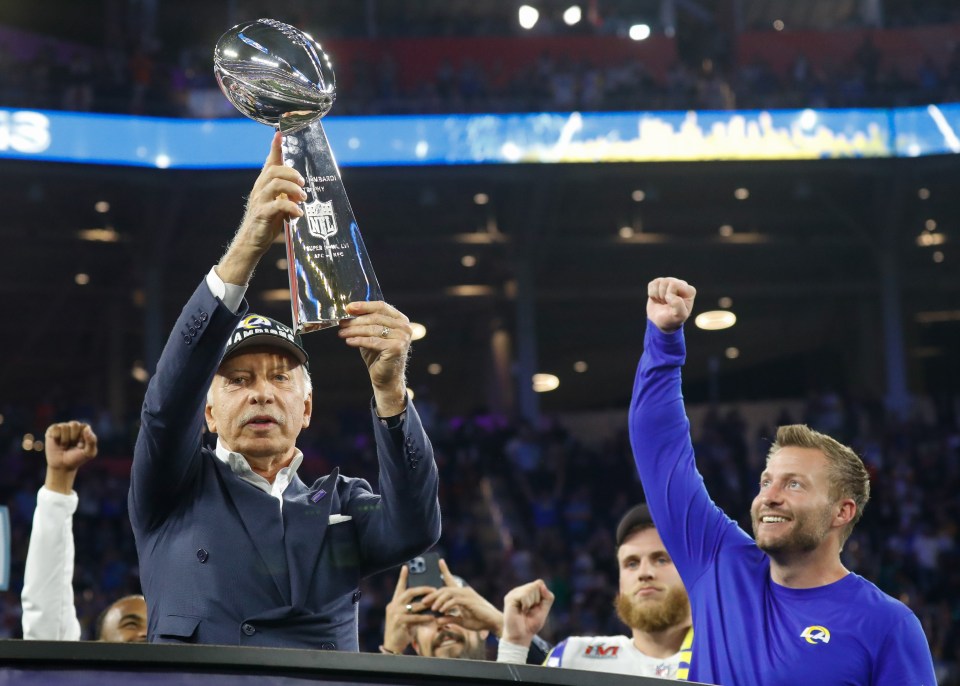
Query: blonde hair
848	476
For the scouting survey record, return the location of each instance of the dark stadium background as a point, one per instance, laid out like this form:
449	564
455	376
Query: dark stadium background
826	271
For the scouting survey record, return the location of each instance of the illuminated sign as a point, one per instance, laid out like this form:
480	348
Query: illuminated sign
541	138
24	132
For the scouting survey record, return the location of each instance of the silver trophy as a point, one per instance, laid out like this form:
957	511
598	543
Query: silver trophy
278	75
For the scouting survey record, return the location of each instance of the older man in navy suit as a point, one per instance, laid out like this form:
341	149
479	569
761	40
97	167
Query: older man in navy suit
234	548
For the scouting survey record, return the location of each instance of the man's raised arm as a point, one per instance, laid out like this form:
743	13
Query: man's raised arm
168	445
405	519
49	613
688	521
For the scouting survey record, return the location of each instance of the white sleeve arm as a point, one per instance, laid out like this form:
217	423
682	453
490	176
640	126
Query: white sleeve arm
49	613
230	294
511	652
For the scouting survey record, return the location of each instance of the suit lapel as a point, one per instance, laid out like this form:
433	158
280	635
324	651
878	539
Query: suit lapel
260	514
306	512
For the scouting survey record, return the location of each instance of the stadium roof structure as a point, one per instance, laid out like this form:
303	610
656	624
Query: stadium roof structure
828	265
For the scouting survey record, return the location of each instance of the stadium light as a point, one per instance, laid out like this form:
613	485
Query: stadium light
470	290
928	239
139	372
715	320
544	383
808	119
572	15
105	235
639	32
417	331
527	16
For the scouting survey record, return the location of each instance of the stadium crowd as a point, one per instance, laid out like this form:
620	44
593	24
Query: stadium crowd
519	501
516	506
38	72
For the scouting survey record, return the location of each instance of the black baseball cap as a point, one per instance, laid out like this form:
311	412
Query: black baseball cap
636	518
257	329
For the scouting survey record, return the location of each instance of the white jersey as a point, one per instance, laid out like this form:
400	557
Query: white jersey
618	655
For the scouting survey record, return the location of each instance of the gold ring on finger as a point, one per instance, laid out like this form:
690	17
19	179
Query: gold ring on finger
409	609
385	332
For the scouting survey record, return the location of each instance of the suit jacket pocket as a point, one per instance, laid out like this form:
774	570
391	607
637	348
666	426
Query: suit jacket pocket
178	628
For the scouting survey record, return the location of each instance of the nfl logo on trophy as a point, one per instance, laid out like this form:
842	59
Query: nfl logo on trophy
321	221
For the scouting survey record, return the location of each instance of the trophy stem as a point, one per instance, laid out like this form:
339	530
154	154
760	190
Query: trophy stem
327	262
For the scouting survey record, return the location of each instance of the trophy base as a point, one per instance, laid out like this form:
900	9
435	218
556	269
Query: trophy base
310	327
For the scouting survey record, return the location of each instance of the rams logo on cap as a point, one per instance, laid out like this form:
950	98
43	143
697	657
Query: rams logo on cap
254	321
255	325
816	634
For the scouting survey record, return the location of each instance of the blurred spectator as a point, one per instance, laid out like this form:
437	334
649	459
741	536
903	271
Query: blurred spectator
166	81
489	524
452	621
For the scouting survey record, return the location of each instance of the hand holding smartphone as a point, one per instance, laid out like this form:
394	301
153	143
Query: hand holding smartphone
424	570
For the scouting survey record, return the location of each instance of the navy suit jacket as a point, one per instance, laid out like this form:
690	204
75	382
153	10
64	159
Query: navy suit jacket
219	562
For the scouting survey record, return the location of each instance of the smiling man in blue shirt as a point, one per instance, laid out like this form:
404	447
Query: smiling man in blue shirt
778	609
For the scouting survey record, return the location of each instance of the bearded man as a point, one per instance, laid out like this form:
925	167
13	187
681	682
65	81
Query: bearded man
652	601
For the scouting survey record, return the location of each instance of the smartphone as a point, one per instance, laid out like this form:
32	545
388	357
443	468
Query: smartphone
425	571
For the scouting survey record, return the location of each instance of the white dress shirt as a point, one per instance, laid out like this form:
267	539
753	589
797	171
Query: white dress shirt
230	294
238	465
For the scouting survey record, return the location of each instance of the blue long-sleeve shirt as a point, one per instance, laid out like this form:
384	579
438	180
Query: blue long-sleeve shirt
750	631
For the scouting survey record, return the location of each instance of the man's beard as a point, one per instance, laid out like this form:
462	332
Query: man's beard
809	530
468	649
656	616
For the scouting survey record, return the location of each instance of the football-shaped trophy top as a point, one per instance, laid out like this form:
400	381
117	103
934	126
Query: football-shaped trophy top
267	68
